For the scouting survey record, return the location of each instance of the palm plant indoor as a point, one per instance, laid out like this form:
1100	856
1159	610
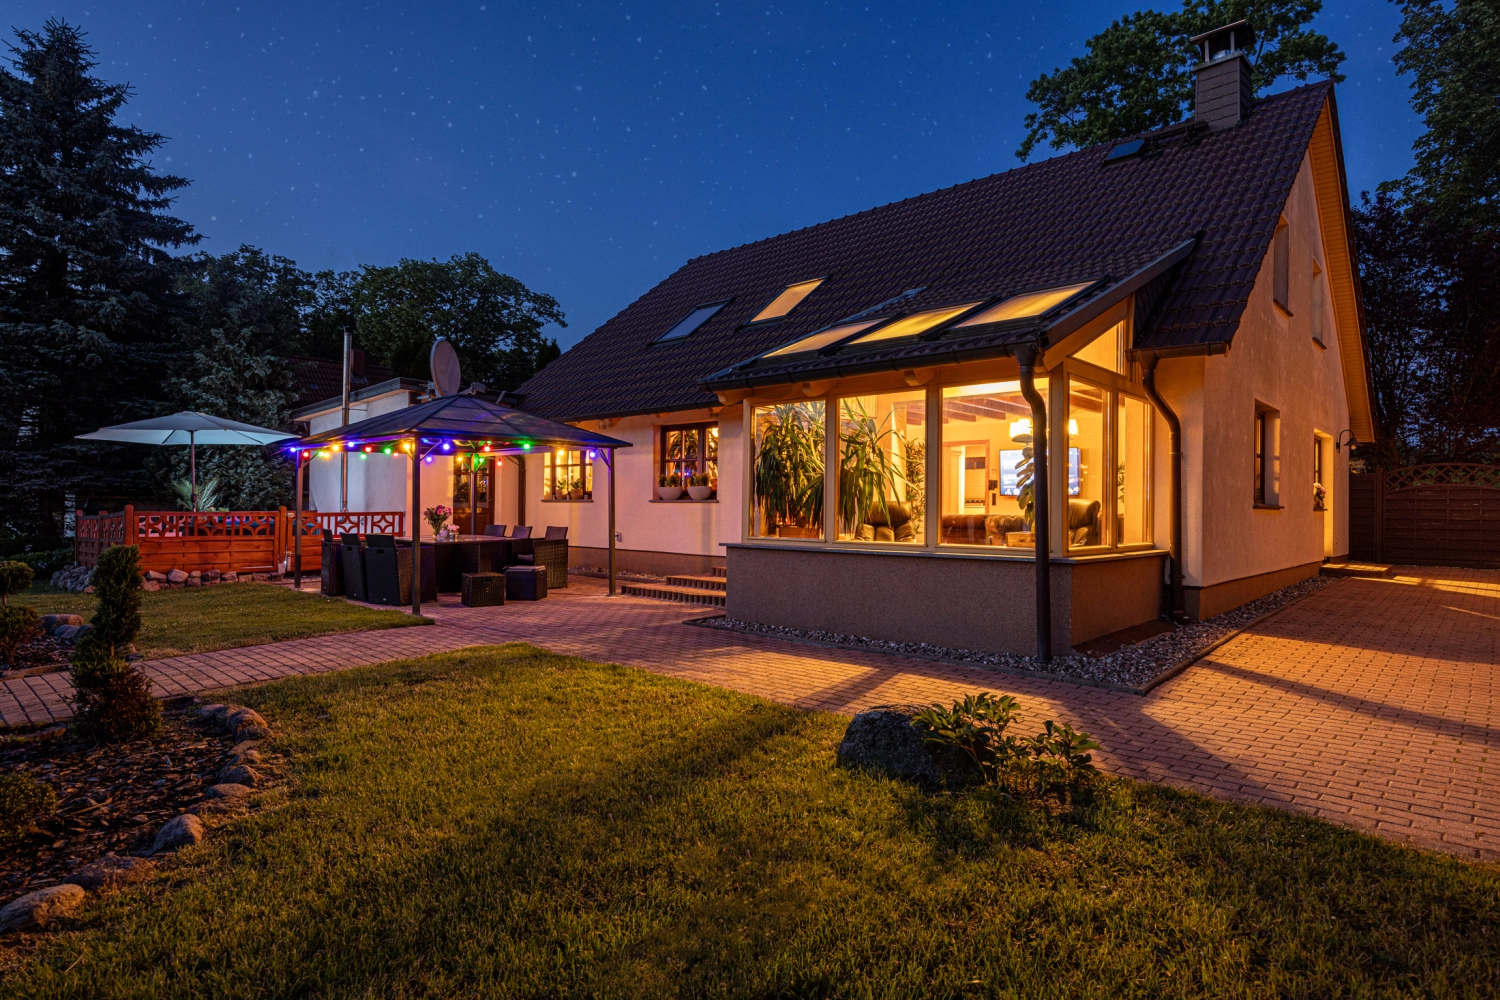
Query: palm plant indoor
870	477
789	466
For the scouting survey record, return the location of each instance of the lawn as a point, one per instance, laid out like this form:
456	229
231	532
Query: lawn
504	822
200	619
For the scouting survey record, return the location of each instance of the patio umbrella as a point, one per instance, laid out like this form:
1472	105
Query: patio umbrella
192	429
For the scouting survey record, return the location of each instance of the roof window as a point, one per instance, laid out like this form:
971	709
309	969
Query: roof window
1026	305
823	338
909	326
787	300
1121	150
693	320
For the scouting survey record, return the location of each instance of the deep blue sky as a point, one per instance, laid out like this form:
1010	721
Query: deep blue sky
591	148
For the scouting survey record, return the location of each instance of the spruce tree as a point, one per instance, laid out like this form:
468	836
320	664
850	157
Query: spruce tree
86	299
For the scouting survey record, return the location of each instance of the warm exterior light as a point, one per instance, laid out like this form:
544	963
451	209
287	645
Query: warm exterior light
1072	427
1019	427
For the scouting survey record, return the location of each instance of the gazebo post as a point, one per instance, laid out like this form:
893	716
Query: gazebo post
473	489
297	525
416	525
611	463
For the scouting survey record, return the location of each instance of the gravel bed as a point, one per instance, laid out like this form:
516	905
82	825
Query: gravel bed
1131	668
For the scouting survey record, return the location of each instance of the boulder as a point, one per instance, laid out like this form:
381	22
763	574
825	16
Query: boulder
211	575
67	633
227	790
239	719
89	589
177	576
883	740
179	831
253	732
84	630
111	872
150	585
210	711
229	576
239	774
36	910
248	757
246	747
156	577
193	581
51	623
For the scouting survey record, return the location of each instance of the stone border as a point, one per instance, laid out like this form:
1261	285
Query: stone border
1178	649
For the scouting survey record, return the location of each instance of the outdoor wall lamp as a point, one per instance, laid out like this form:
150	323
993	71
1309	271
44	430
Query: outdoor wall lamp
1338	441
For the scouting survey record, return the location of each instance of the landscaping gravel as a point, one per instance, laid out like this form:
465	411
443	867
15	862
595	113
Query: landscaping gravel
1131	668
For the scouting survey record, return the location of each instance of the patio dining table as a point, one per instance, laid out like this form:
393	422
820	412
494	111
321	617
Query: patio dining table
469	554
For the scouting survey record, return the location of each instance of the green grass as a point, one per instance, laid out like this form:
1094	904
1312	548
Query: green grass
201	619
508	823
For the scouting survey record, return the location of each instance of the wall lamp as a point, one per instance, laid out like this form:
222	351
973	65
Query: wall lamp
1340	440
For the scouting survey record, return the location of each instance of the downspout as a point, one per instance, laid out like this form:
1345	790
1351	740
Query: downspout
1027	355
1177	610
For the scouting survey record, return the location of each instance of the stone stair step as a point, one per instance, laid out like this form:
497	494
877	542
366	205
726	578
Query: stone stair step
718	583
721	571
667	592
1373	570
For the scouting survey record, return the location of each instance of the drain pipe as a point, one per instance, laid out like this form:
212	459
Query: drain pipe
1028	355
1177	611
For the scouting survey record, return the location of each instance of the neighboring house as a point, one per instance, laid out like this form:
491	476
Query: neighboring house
1201	273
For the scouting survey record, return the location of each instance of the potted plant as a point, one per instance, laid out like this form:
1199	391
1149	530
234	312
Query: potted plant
437	517
575	488
669	487
1320	495
789	471
699	488
869	476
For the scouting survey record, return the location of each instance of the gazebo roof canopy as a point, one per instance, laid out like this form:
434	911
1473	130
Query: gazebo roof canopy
466	421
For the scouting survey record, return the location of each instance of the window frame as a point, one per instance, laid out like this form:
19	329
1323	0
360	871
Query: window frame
1114	386
700	463
1281	267
550	467
816	283
717	305
833	453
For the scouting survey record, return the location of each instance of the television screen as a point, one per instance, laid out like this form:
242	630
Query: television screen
1009	460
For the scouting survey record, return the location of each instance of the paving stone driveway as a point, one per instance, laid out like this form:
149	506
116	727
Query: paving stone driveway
1371	703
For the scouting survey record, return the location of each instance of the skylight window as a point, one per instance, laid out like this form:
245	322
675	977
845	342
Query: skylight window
1123	149
693	320
909	326
823	338
787	300
1026	305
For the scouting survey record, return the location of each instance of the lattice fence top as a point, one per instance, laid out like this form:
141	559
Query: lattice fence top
1445	474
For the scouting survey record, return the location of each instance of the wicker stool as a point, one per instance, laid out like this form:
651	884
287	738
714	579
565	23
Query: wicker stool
525	583
483	590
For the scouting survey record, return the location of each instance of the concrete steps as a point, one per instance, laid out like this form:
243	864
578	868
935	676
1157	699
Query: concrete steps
1368	570
709	590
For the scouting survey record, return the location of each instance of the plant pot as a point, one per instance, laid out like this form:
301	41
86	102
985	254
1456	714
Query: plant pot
668	492
700	492
796	531
1020	538
575	494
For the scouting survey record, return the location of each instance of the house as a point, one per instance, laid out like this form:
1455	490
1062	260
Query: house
1177	314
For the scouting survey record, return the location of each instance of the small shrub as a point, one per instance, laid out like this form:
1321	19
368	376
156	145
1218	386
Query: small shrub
112	700
1055	762
15	577
117	582
23	801
45	562
17	624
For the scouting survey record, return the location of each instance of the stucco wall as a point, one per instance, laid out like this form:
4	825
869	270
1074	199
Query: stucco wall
1110	594
376	482
641	523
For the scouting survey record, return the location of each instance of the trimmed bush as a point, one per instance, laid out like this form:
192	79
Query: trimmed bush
17	624
23	801
15	577
112	700
45	562
117	583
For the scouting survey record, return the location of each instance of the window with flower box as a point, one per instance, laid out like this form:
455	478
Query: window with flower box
567	474
689	452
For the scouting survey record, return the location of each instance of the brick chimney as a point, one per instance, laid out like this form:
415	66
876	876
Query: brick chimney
357	363
1224	89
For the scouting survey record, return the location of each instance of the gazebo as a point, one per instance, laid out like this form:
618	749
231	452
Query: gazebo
445	426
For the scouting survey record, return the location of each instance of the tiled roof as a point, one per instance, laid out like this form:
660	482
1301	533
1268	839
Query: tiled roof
319	379
1068	219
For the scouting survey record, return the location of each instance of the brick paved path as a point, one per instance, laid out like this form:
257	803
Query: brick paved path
1371	703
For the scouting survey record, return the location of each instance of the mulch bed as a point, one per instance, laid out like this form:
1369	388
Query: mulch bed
39	655
112	798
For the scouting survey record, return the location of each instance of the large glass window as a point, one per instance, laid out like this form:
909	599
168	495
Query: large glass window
1133	426
787	471
985	465
567	474
882	452
1089	482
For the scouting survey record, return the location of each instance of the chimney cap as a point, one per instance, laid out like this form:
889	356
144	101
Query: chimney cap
1225	41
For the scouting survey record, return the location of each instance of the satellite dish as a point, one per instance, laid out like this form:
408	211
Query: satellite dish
444	362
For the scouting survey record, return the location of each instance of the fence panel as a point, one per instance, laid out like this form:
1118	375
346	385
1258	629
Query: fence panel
1435	515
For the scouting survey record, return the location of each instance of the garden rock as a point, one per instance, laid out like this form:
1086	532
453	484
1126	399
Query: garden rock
208	712
51	623
36	910
210	575
884	740
67	633
84	630
177	576
229	576
111	872
150	586
241	718
180	831
227	790
239	774
245	748
253	732
156	577
193	581
248	757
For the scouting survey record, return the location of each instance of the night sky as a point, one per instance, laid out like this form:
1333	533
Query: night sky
590	149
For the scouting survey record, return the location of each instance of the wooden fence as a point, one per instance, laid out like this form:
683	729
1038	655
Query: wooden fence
246	541
1427	515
